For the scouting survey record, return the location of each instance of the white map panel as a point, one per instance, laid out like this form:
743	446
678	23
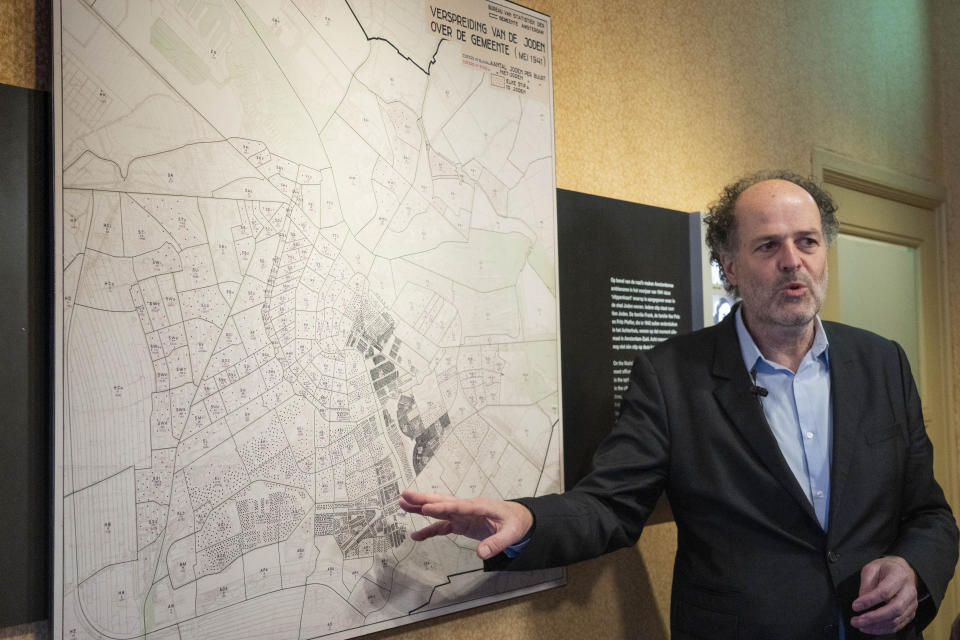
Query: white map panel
305	259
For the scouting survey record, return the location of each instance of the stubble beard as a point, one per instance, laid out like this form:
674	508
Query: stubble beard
776	307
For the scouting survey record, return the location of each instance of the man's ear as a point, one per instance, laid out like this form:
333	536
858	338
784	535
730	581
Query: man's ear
729	268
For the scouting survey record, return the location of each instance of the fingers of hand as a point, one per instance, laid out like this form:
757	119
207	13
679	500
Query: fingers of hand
409	507
457	516
869	579
440	528
438	505
881	580
899	609
459	507
879	594
412	496
892	583
497	524
889	618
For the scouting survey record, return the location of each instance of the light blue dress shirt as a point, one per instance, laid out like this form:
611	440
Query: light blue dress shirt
798	410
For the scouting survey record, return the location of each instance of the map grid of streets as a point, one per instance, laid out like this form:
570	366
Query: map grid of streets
305	259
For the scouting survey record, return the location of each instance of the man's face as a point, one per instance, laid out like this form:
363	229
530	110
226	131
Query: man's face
780	264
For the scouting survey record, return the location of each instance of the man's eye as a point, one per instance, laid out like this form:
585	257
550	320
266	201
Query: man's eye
767	246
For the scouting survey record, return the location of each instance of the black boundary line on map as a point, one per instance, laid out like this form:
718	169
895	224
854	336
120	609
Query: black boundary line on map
435	587
433	59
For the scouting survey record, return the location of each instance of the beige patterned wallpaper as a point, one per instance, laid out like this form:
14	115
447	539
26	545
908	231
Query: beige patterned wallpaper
25	46
662	102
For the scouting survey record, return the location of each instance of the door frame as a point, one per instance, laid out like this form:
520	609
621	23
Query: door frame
833	168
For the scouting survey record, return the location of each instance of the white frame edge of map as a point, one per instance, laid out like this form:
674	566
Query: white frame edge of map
509	78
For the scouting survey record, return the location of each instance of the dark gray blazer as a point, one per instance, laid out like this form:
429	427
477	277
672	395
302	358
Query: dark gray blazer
752	561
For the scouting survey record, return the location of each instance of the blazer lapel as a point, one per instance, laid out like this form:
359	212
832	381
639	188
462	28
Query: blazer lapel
846	393
746	413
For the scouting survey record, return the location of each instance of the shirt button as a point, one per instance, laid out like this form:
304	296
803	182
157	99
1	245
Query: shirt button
819	494
809	435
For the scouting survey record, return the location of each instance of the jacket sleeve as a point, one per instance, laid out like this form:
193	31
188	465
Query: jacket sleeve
606	510
928	535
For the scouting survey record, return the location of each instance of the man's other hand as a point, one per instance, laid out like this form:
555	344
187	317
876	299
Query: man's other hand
495	523
891	583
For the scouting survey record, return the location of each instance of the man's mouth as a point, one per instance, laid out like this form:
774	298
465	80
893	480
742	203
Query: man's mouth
795	288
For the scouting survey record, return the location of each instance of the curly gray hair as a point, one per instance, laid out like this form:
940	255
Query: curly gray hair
722	223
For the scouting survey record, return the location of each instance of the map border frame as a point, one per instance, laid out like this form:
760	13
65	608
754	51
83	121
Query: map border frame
59	373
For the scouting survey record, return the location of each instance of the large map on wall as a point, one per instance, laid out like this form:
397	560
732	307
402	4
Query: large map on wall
305	258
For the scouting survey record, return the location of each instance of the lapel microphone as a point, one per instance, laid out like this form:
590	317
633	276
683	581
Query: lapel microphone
756	389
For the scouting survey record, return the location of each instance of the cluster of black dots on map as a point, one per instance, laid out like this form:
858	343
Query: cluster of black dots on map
369	446
261	520
154	484
281	468
291	412
151	520
361	482
219	526
299	415
324	524
160	429
210	484
471	433
369	434
356	464
271	518
218	556
263	446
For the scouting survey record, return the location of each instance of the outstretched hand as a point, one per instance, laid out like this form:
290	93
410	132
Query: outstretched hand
891	583
497	524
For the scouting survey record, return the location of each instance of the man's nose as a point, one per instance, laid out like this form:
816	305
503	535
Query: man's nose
789	257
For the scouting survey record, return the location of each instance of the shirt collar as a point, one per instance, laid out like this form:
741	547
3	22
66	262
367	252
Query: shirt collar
751	353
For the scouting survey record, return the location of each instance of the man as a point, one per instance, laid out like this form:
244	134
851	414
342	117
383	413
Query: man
793	453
